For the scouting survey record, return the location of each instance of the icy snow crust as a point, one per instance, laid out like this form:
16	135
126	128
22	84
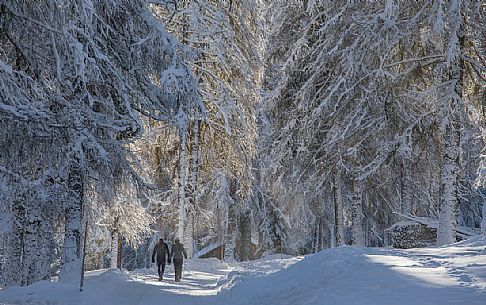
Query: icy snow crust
454	274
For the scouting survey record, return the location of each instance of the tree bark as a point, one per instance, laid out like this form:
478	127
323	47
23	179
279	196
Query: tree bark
483	222
407	186
231	229
449	185
446	232
182	186
37	256
16	241
339	209
71	249
114	250
189	231
191	193
333	226
244	237
357	233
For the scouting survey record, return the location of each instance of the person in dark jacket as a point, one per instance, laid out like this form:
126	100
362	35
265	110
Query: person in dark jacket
162	251
177	255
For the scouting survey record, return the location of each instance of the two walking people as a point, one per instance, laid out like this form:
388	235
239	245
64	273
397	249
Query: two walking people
177	254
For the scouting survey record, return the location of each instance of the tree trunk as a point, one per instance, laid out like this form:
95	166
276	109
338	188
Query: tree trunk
37	256
114	250
189	231
322	232
407	186
339	209
318	234
182	186
449	185
483	222
71	249
230	238
244	237
446	233
357	215
223	213
191	193
11	274
194	162
231	224
315	239
332	232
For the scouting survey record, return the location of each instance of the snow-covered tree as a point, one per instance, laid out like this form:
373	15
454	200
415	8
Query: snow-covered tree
82	74
360	90
225	45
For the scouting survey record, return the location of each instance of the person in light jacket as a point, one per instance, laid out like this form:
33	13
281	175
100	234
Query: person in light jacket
178	254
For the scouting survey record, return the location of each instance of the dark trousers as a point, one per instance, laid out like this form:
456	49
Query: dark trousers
160	269
178	269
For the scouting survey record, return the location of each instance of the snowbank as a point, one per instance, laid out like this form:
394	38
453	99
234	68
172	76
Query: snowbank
477	241
349	276
343	276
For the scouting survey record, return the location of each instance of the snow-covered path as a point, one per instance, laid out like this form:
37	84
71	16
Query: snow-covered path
347	276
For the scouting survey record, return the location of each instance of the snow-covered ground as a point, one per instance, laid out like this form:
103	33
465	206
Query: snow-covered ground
449	275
